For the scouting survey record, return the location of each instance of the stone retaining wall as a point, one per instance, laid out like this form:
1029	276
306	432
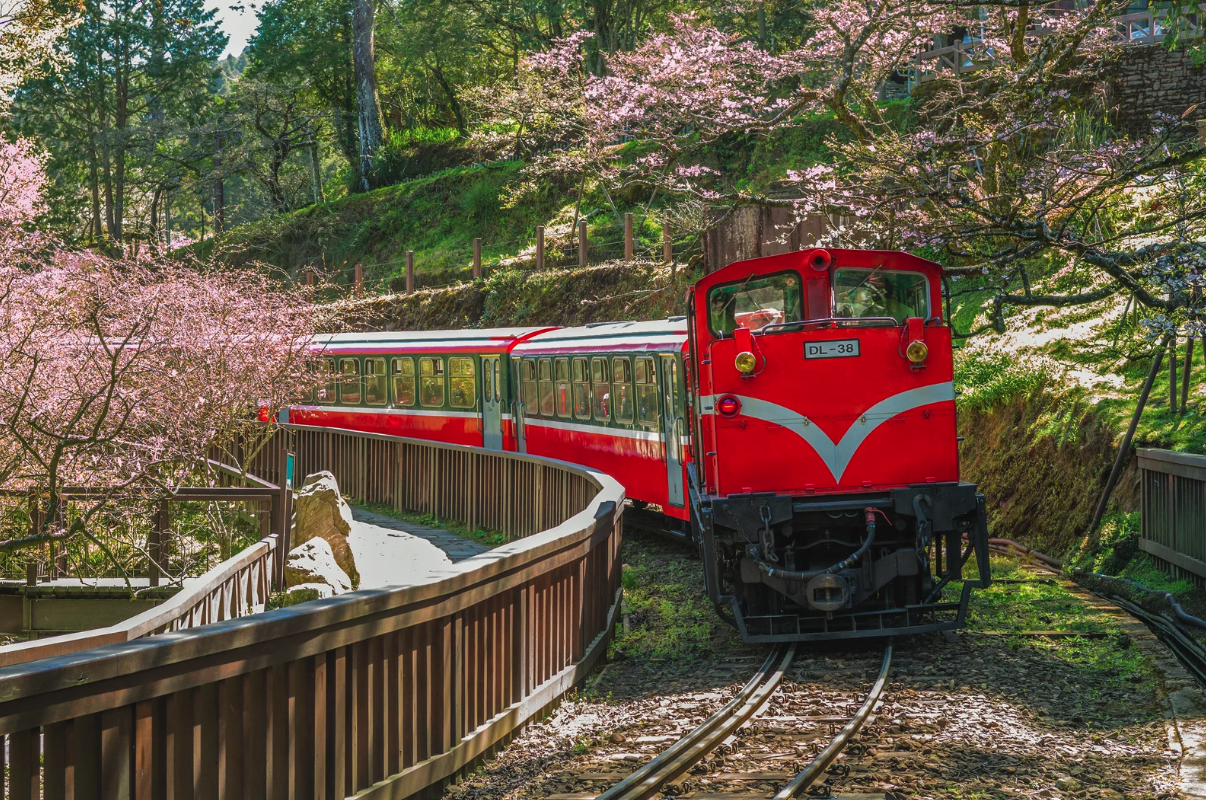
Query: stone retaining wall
1148	80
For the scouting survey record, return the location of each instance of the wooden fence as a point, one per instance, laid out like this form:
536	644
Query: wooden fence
1174	512
378	693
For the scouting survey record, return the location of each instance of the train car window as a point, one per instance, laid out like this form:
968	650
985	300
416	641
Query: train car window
497	381
431	381
487	381
581	389
621	377
531	405
600	379
376	389
326	392
404	381
546	387
561	374
462	383
646	392
860	293
755	303
349	381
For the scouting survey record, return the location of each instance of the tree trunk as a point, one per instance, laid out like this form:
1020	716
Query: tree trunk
368	109
219	188
316	169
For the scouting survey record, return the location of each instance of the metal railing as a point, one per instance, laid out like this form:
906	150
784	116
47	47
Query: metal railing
377	693
1146	27
1174	512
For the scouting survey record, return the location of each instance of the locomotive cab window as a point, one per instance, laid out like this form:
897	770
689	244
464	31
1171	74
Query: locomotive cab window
326	392
860	293
621	376
600	380
404	381
561	373
349	381
461	383
646	392
546	387
581	389
431	381
530	404
376	391
755	303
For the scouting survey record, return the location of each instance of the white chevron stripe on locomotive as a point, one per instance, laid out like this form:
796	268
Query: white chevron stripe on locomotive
837	455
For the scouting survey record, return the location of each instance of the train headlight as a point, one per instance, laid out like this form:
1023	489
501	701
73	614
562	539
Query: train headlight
728	406
745	362
917	352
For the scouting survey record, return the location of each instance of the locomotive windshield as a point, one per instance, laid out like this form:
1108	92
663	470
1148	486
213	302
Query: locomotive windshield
880	293
755	303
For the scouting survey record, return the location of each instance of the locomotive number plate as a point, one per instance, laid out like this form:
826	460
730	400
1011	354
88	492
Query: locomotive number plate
840	348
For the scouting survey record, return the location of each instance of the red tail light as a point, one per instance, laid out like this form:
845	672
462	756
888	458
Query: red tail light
728	406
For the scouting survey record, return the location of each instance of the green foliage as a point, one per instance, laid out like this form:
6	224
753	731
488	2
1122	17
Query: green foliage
987	377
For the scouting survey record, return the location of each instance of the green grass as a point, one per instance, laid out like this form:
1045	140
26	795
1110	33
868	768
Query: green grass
490	538
1040	604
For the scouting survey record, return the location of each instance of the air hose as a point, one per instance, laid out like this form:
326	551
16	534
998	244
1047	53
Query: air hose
791	575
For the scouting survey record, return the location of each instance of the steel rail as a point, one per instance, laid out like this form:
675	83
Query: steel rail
823	759
648	780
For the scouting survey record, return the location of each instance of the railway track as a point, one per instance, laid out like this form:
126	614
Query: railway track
659	774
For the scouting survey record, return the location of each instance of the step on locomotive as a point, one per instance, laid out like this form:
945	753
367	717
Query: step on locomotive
798	424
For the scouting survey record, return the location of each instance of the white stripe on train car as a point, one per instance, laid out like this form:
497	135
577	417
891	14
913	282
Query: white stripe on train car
837	455
648	436
403	412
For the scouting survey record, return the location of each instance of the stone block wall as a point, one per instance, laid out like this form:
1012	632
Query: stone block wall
1147	79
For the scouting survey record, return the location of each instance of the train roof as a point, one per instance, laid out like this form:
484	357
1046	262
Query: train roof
663	335
487	339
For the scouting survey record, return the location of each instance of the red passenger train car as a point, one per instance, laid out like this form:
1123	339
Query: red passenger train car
798	423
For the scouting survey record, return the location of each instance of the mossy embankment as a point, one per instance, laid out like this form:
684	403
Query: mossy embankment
639	290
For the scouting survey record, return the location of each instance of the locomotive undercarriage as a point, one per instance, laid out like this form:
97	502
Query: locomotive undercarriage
794	568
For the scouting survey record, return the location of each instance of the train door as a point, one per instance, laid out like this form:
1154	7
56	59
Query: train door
671	425
491	403
517	409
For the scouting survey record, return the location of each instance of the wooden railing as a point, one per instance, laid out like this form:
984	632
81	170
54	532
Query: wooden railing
377	693
1174	512
1145	27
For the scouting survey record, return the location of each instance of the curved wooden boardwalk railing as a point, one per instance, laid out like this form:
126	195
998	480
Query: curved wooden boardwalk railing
378	693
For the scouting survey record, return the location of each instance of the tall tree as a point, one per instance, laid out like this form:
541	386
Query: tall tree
368	108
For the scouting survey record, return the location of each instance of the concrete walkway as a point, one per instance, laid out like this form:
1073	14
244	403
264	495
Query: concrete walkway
458	548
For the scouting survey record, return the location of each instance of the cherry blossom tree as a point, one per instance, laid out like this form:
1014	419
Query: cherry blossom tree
120	375
1000	167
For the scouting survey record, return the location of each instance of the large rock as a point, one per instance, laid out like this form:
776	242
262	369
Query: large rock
314	563
320	513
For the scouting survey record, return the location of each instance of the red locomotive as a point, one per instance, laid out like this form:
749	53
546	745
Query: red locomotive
799	422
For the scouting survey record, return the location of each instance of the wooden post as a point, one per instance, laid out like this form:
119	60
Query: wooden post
1172	374
667	242
477	258
628	237
582	244
35	525
359	279
1185	374
539	247
156	543
309	277
410	271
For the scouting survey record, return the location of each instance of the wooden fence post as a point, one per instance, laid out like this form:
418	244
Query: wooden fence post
359	279
582	251
410	271
539	247
628	249
309	277
667	242
156	544
477	258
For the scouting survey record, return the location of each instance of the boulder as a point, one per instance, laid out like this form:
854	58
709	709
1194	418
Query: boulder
314	563
320	513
